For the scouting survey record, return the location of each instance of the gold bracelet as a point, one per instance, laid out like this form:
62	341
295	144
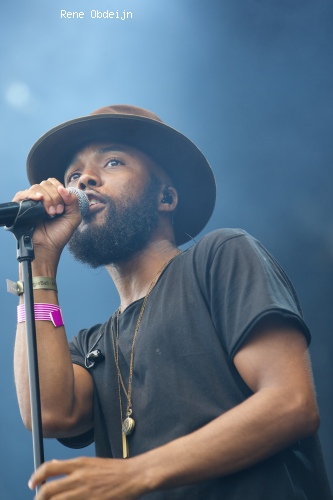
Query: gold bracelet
38	282
44	282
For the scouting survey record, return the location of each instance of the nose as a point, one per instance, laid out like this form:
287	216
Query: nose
89	178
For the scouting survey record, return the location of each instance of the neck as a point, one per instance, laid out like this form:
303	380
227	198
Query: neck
133	277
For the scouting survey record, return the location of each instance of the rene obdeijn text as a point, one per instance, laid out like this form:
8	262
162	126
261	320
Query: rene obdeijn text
97	14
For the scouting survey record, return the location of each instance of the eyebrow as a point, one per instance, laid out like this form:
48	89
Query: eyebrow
110	149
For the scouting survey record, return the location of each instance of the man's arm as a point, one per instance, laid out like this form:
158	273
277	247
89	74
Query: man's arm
65	389
66	392
275	365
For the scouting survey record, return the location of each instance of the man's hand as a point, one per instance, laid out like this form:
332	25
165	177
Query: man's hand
51	236
89	478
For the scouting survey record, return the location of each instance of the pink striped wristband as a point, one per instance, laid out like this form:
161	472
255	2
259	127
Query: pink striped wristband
43	312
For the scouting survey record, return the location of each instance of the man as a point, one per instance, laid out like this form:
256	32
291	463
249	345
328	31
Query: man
201	378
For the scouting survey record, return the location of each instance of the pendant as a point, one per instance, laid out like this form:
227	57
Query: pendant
127	429
128	426
125	445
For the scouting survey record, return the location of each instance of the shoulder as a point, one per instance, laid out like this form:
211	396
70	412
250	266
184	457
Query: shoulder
236	249
234	255
225	240
215	254
220	236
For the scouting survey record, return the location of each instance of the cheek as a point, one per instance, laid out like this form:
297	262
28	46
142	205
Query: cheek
127	188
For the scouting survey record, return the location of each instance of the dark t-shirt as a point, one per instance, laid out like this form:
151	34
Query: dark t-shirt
198	315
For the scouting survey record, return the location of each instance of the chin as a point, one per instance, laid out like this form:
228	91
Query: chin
89	221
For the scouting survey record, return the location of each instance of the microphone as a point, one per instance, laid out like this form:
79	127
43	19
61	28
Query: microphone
9	212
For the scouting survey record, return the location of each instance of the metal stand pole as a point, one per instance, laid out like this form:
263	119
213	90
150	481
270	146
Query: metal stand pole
23	229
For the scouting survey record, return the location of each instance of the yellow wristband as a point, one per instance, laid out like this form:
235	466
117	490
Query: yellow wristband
44	282
16	287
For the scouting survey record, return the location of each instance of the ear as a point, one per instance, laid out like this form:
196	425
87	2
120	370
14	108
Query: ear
168	199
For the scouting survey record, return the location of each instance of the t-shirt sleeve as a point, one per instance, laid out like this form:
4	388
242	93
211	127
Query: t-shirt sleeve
79	346
246	284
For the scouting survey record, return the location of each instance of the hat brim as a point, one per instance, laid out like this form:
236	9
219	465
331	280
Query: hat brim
171	150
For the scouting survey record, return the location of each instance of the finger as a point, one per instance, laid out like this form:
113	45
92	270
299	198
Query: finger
47	192
69	198
27	194
62	489
53	201
50	469
78	494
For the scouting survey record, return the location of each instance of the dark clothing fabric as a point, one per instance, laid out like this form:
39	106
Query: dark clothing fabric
201	311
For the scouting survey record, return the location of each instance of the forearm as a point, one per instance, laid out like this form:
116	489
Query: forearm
54	362
258	428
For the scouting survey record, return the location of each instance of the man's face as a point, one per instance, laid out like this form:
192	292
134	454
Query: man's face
123	188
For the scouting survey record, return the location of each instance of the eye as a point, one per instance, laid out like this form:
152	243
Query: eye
113	162
72	177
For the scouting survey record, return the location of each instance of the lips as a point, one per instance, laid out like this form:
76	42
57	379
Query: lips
94	197
96	202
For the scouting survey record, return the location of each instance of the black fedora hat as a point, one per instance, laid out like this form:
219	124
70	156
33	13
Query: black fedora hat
139	128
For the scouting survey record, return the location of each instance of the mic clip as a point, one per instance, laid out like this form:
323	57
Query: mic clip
93	357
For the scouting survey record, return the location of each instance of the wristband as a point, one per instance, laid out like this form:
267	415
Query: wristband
38	282
43	312
44	282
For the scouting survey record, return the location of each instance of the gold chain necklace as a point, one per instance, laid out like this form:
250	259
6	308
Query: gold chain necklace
128	424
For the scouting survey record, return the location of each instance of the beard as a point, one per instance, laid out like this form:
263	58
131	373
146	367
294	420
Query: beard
128	226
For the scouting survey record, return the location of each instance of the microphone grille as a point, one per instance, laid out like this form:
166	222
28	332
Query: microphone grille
82	199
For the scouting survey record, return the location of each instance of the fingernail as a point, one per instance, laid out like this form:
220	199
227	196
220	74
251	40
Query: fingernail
30	484
52	210
60	209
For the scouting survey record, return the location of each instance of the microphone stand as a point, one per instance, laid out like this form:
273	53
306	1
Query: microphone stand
23	228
